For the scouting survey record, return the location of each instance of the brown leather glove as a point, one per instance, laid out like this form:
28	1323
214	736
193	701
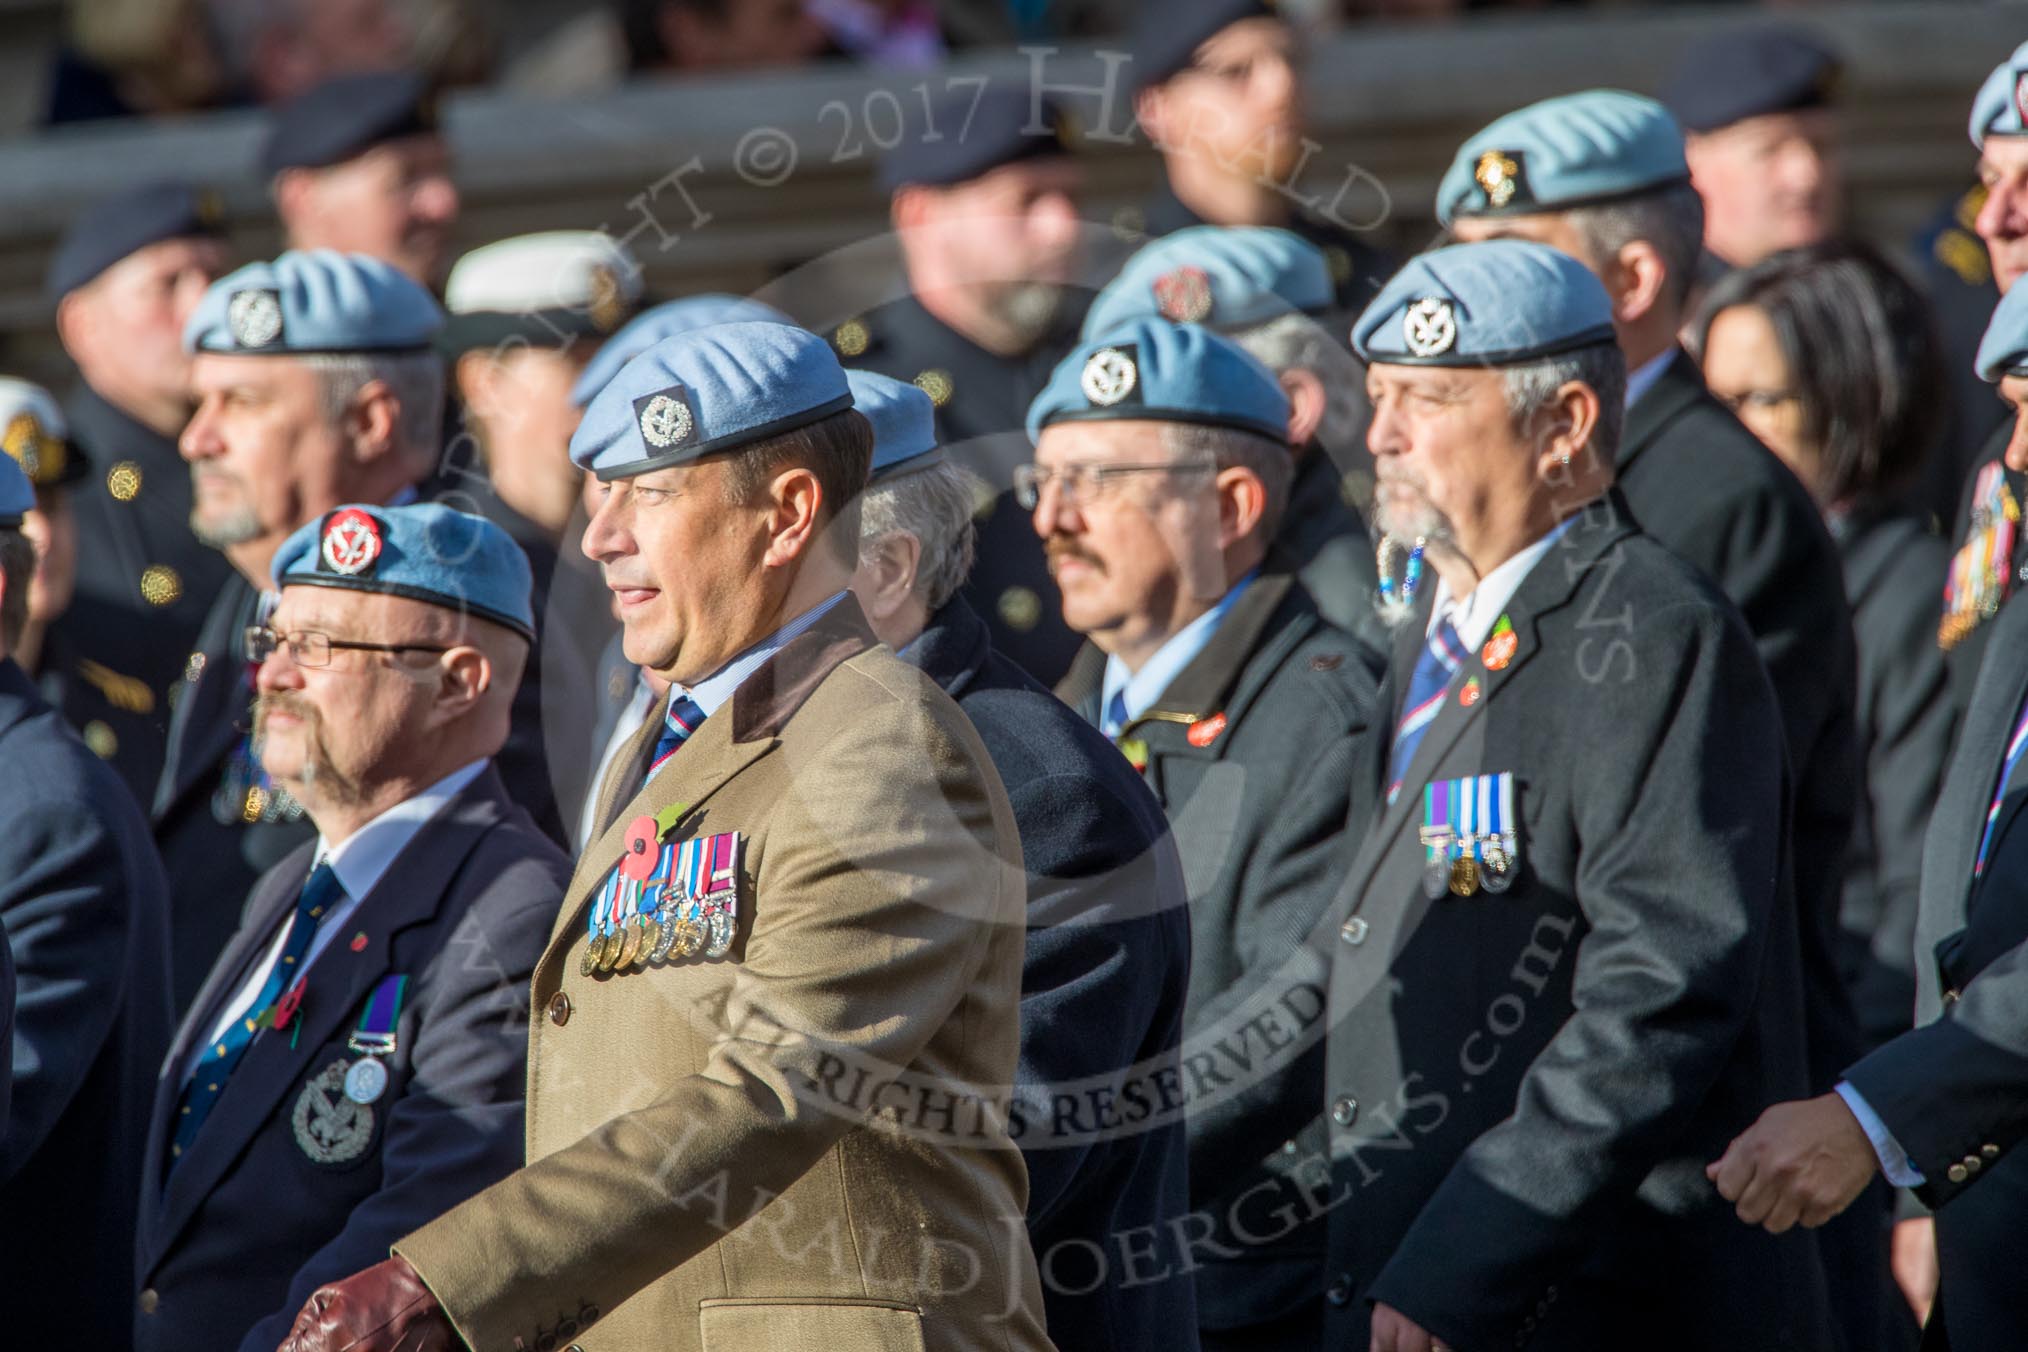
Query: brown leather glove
383	1309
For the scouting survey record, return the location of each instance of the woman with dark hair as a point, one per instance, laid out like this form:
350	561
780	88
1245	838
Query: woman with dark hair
1828	355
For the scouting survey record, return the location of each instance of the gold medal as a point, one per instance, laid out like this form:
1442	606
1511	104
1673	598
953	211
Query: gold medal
689	937
589	963
1464	875
609	951
651	932
630	947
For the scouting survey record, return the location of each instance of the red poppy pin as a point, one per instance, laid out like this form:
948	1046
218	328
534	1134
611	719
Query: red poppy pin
638	862
1205	731
1499	649
291	1001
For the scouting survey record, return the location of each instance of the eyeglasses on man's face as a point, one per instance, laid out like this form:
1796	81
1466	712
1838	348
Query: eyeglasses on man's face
308	648
1089	482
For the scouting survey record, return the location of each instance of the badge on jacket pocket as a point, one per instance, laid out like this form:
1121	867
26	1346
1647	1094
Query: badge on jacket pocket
331	1126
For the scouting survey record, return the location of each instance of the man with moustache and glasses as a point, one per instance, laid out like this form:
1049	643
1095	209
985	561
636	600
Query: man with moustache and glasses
1563	960
1161	472
316	386
356	1060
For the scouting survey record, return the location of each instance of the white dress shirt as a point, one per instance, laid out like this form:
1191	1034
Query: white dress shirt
1475	614
360	860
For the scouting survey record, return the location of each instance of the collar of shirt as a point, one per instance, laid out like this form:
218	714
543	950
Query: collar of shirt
362	858
711	693
1643	377
1473	615
1145	686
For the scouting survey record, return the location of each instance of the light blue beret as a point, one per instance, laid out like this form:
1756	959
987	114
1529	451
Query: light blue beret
1230	277
423	551
707	391
1497	303
666	320
904	422
2001	109
17	495
1573	151
319	301
2004	349
1156	371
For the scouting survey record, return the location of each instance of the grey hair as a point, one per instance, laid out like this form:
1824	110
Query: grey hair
1672	220
1531	392
1296	341
416	380
937	506
1229	448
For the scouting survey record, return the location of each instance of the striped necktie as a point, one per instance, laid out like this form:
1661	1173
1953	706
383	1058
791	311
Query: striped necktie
682	719
201	1094
2015	746
1442	654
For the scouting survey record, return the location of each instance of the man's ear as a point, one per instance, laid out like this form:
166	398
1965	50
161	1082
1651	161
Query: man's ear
292	191
1242	504
1639	279
465	674
371	420
1563	431
474	374
797	500
886	576
73	321
1151	110
1306	405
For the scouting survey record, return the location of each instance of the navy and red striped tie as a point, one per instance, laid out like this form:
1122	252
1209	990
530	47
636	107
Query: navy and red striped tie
682	719
1442	654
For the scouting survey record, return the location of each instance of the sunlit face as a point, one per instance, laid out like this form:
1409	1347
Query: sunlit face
1011	235
52	529
263	455
1768	183
1239	104
135	310
1133	547
1445	450
520	401
2003	221
1746	371
395	202
327	733
684	566
2014	391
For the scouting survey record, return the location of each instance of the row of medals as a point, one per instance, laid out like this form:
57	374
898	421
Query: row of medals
655	936
1451	866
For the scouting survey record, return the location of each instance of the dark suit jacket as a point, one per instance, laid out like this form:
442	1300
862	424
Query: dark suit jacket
144	584
1526	1085
1701	485
1954	1092
1103	978
1257	812
1894	570
6	1027
86	913
248	1224
1332	553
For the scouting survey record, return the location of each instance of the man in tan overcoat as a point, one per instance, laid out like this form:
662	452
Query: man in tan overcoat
773	1029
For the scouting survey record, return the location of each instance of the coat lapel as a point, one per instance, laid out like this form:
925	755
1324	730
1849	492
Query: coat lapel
336	985
740	733
206	721
1953	845
1673	394
1549	586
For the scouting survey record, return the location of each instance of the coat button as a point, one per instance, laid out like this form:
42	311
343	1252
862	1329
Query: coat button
1957	1173
1950	998
150	1301
1991	1152
1345	1111
1339	1292
559	1009
1973	1164
1353	931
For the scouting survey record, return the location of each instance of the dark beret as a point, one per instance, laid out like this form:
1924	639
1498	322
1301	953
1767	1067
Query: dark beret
124	224
1168	35
956	142
1745	72
345	117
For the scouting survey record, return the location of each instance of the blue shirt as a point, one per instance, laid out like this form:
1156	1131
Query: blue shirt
1142	688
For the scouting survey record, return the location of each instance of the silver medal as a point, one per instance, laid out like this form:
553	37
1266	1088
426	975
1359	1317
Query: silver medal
366	1081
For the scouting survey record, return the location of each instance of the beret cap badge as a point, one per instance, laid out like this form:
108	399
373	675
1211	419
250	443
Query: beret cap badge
1429	327
255	317
1109	376
1499	173
351	542
665	420
1184	295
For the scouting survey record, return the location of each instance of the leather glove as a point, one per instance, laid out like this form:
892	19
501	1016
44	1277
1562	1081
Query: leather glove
386	1308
